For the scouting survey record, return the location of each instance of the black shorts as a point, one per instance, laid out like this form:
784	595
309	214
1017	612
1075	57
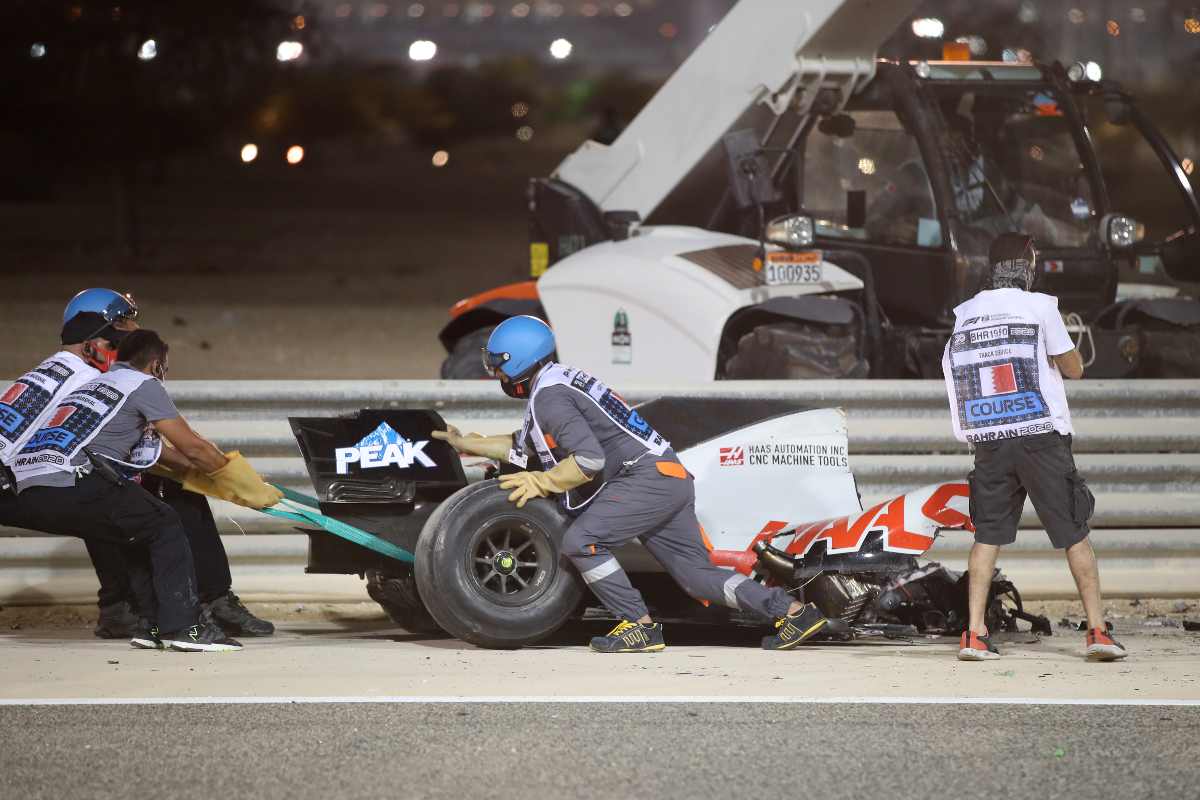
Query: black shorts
1041	467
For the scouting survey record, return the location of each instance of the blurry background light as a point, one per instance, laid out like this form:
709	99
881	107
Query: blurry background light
1076	16
422	50
866	166
37	50
298	22
1027	13
1137	14
520	10
249	153
1092	71
928	27
561	48
525	133
441	158
148	50
295	154
1191	25
976	44
622	9
416	10
520	109
289	51
1113	27
1188	165
668	30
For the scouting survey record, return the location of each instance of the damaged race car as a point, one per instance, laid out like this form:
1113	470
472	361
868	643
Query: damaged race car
441	547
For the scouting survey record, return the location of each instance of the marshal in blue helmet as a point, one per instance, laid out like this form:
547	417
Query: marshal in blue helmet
620	480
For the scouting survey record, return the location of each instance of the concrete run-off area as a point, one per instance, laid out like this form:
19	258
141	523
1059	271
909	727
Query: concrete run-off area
365	658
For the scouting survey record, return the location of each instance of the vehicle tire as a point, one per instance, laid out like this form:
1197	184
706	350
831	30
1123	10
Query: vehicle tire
464	362
398	596
468	587
791	350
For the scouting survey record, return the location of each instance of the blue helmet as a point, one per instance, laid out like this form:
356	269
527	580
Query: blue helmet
517	348
111	305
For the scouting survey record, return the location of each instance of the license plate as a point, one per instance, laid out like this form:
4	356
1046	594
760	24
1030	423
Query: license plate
790	269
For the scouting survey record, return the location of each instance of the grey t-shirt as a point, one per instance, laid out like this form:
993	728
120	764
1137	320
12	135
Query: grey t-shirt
147	404
577	427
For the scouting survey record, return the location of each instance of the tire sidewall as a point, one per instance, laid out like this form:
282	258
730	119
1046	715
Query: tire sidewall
449	592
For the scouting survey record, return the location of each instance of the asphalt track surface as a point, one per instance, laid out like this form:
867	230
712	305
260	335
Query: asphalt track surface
663	750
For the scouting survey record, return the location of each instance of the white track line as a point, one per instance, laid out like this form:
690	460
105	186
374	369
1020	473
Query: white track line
631	699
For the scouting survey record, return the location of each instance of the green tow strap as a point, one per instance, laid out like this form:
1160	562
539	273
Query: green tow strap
301	508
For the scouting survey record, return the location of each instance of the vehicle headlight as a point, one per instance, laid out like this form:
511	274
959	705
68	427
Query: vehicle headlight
1122	231
794	230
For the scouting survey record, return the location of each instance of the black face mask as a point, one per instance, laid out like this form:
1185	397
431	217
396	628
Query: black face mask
516	389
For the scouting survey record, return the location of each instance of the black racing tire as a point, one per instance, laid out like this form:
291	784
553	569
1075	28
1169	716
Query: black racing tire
397	595
464	361
461	576
797	350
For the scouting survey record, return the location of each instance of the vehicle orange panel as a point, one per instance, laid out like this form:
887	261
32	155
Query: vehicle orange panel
525	290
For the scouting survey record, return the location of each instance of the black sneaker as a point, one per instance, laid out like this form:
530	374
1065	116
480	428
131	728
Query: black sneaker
795	628
631	637
203	637
145	637
228	612
116	621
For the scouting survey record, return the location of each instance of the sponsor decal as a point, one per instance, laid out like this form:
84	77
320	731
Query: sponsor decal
797	454
1020	330
998	379
1053	266
622	340
989	334
1023	404
732	456
383	447
960	339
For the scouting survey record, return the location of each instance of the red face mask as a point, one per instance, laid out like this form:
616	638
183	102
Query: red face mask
100	356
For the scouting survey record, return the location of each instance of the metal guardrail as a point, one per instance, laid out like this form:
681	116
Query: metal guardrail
1137	443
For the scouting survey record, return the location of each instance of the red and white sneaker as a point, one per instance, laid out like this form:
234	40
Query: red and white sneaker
973	647
1102	647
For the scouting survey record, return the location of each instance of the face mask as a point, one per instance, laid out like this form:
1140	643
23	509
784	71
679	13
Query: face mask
100	356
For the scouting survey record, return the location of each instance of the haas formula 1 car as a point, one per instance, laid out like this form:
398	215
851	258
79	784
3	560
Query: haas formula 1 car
774	494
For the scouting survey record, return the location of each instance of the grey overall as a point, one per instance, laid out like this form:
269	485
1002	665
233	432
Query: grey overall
638	501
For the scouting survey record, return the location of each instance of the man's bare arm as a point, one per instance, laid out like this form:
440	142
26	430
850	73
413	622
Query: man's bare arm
199	451
1070	364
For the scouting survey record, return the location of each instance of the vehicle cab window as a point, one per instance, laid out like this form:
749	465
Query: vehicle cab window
864	179
1015	166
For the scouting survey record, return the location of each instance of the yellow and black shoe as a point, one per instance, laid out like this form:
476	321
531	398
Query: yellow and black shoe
795	628
631	637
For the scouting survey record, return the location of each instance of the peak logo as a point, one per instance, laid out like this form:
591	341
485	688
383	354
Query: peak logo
732	456
383	447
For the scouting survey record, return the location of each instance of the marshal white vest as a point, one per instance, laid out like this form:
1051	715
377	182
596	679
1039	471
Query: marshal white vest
76	421
25	406
606	400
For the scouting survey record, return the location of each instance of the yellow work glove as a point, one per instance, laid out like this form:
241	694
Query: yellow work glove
565	476
494	447
238	483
